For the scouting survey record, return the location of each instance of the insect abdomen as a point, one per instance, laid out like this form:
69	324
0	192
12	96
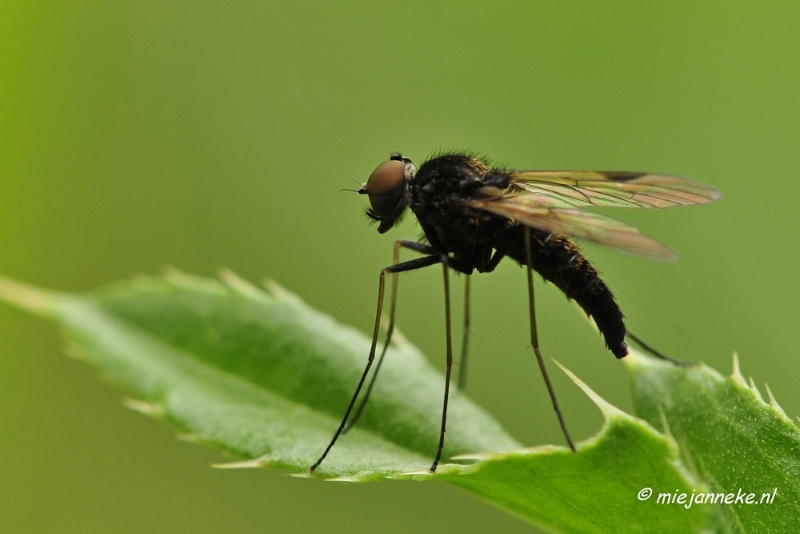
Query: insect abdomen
559	261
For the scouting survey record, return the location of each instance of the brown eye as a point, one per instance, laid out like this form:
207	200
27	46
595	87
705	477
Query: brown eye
385	188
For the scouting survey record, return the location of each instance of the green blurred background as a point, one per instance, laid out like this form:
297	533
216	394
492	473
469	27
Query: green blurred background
135	135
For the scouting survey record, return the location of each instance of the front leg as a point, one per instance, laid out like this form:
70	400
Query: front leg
410	265
416	246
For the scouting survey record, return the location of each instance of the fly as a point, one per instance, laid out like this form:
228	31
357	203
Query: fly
474	214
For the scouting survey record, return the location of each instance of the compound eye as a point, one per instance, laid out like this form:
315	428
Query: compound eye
385	188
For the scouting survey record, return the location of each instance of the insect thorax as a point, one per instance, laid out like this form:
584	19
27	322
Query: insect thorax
436	197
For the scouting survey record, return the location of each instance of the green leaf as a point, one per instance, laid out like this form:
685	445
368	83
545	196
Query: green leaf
729	437
261	375
602	488
264	377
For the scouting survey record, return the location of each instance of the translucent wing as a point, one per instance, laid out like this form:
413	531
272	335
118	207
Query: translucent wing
620	189
531	211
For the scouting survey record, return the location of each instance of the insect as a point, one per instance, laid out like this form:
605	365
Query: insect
474	214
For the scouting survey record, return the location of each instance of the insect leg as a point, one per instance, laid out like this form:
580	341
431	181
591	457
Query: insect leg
462	372
535	339
418	247
444	261
490	266
410	265
655	352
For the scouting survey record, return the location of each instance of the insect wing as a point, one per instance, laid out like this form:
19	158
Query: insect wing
530	211
611	189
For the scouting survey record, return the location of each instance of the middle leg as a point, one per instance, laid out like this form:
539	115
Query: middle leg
535	340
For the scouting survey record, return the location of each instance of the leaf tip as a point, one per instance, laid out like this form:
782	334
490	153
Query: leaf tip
146	408
608	409
174	275
477	456
347	478
736	375
24	296
239	285
755	391
281	293
417	474
665	429
246	464
774	404
189	438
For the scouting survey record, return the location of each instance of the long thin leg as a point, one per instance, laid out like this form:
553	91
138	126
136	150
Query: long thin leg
655	352
418	247
489	267
535	340
462	372
410	265
449	362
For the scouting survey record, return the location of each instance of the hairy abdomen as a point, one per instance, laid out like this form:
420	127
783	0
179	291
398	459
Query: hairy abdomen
559	261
